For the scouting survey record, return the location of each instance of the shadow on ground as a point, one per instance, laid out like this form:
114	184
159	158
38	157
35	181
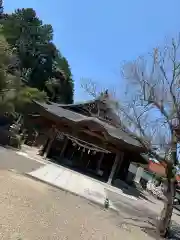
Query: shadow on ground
174	233
149	227
138	215
136	191
128	208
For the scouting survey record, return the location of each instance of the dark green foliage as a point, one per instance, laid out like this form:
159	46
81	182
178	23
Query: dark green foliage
39	62
65	91
13	94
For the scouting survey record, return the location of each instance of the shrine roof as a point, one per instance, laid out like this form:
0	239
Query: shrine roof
58	111
102	107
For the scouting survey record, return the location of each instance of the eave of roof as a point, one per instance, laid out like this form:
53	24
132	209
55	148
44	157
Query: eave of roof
113	132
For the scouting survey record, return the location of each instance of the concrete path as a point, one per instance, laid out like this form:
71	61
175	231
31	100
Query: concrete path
82	185
73	182
70	180
9	159
27	161
128	207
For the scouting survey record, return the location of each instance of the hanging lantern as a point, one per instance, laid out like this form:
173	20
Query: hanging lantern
94	152
79	148
84	149
89	151
74	144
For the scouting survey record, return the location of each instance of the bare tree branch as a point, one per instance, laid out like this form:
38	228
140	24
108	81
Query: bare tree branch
149	112
149	109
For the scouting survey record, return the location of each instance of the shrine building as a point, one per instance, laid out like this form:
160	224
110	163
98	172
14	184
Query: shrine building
86	137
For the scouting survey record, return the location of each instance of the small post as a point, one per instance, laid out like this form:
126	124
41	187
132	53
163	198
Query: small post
106	203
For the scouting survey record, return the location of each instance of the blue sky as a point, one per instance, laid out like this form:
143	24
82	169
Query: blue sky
96	36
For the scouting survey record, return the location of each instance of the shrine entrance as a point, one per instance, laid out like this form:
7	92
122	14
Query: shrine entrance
82	156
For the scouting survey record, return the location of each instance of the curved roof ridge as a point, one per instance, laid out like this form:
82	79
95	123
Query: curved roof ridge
113	131
72	104
103	96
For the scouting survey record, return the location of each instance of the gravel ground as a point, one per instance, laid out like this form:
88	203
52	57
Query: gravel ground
31	210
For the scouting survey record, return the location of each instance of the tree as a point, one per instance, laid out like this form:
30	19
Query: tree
149	111
66	90
6	79
13	93
153	113
39	60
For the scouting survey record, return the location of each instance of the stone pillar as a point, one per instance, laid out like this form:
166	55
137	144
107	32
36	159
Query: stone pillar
139	173
114	167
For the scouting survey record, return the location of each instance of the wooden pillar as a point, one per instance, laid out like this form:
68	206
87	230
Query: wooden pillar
53	134
64	147
99	162
114	167
48	148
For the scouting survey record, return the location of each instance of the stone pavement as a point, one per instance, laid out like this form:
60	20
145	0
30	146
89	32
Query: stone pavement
72	181
91	189
134	211
125	203
83	185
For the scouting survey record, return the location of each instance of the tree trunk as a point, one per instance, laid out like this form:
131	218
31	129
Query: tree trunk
166	213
